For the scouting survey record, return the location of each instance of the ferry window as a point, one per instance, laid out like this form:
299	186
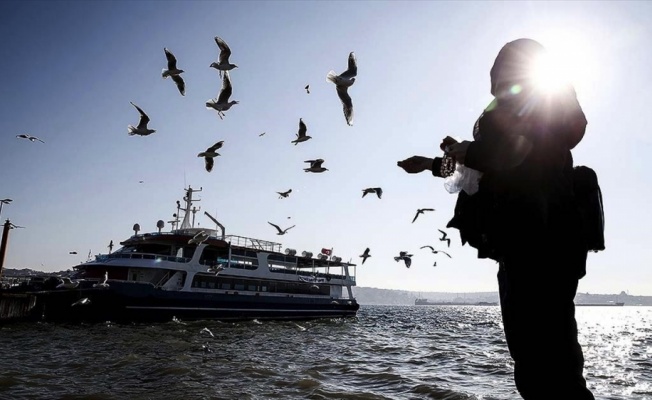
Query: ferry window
225	286
134	277
188	252
203	284
239	286
263	288
252	288
211	285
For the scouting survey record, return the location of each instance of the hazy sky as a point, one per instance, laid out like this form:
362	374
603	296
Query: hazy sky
70	70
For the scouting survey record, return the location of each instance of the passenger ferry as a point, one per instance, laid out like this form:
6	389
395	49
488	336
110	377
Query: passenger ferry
195	273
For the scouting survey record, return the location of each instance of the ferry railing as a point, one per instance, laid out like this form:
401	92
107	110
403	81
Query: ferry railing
140	256
252	243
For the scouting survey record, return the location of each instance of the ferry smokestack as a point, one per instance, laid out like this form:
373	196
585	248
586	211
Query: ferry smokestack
3	245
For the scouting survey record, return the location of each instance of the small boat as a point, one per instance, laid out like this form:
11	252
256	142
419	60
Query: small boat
608	303
192	273
426	302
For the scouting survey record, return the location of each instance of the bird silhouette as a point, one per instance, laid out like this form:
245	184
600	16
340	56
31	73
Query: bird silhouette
173	72
283	195
342	83
222	103
142	128
403	255
223	63
301	133
421	211
444	237
365	255
29	137
209	154
307	89
436	251
315	166
280	231
378	191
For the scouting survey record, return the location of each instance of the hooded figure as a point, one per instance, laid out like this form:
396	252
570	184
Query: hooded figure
524	216
523	143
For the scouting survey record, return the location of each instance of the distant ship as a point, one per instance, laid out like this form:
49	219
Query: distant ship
426	302
608	303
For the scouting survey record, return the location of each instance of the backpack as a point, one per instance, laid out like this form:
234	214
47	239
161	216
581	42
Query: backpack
588	198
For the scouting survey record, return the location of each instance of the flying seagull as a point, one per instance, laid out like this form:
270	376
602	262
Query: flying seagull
29	137
110	246
174	72
199	238
222	103
436	251
342	83
315	166
222	63
262	134
403	255
301	134
282	195
307	89
280	231
444	237
365	255
378	191
72	252
142	128
421	211
210	154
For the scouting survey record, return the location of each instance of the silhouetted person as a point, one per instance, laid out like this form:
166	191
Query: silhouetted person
524	217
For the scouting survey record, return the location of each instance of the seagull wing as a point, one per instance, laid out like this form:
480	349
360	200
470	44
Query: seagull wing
216	146
209	162
316	163
353	67
408	261
144	119
276	226
416	215
347	104
38	139
379	192
302	128
427	209
287	229
227	89
181	85
225	50
449	256
430	247
22	136
172	61
443	233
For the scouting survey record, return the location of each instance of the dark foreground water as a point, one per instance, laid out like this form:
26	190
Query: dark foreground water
387	352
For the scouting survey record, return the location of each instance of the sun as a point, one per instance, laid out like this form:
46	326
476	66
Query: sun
568	59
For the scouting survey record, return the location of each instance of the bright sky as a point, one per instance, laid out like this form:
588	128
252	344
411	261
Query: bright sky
70	70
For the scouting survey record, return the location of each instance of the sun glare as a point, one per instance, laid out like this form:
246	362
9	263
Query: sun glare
568	59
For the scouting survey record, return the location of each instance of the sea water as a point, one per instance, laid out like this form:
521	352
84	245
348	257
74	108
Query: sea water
387	352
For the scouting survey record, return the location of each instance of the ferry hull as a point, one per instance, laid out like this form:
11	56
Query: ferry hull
143	303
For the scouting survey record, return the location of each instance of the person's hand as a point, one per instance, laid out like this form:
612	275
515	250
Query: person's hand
458	151
416	164
447	141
